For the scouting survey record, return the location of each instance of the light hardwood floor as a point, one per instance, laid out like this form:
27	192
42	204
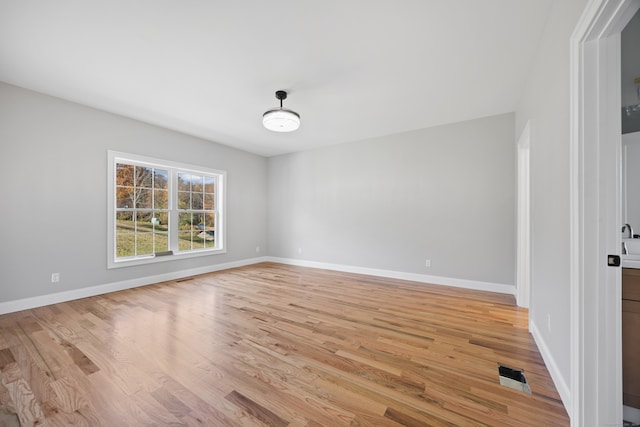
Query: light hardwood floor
274	345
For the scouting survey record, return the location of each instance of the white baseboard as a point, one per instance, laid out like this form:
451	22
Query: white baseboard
54	298
549	361
39	301
423	278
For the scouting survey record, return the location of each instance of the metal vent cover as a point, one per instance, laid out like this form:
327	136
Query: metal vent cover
513	378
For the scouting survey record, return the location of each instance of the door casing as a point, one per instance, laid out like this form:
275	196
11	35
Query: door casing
595	203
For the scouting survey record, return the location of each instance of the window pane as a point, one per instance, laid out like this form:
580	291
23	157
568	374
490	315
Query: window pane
208	202
184	241
144	233
209	226
209	221
124	174
143	222
144	243
125	245
185	232
184	200
184	219
196	183
125	234
196	201
197	221
124	222
199	233
160	179
124	197
199	239
160	223
144	177
143	199
209	184
161	199
160	242
184	182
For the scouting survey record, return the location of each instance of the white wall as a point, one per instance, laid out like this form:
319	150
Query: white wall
546	103
446	194
53	193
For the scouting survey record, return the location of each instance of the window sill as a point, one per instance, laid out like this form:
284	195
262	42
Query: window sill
152	259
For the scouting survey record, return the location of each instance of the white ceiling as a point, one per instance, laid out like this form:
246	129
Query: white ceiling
354	69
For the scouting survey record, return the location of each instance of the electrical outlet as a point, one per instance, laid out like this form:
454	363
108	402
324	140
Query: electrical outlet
257	249
427	263
55	277
299	251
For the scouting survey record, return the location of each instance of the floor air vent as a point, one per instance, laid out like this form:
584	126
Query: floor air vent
513	378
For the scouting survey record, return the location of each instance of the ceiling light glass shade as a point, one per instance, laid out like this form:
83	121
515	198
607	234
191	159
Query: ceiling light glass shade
281	120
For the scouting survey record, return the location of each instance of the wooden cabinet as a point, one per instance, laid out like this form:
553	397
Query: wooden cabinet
631	337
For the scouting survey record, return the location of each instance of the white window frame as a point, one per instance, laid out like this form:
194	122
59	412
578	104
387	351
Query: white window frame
115	157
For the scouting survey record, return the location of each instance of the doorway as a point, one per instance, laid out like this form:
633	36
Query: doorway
595	193
523	266
630	120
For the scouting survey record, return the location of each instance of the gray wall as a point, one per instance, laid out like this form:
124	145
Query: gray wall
546	104
53	170
446	194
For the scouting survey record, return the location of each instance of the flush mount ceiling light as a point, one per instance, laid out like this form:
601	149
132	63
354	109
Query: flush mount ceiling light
281	119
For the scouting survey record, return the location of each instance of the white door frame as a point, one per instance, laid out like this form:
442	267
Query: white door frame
595	134
523	268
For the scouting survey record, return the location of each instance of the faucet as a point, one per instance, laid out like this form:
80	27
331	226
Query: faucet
628	227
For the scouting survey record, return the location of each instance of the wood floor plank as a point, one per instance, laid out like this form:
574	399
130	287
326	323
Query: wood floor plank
6	357
25	403
256	410
275	345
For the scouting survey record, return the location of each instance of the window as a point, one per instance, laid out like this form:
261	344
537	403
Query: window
142	210
196	202
161	210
